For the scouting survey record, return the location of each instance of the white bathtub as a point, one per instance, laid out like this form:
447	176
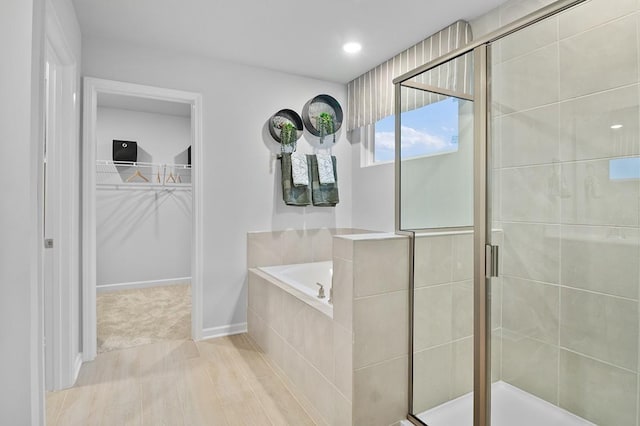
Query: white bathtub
300	280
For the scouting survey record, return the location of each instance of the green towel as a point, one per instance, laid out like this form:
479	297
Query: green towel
291	194
324	195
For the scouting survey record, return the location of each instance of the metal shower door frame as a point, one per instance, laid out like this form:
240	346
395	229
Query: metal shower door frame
483	253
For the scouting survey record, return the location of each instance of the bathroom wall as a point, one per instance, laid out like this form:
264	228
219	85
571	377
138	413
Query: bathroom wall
241	176
143	235
571	253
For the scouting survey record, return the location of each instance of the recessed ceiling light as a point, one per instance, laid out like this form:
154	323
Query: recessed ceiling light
352	47
616	126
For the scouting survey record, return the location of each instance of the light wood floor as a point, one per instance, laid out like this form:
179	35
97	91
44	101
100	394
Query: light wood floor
222	381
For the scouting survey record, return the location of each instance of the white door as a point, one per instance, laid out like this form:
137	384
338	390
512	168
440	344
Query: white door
51	185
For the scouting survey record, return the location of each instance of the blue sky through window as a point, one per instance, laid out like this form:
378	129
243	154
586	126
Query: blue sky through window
432	129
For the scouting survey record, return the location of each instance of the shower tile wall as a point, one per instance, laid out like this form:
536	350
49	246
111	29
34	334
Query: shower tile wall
571	256
443	318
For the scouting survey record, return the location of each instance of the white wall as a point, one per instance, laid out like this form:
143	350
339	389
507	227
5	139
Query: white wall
145	234
241	177
21	380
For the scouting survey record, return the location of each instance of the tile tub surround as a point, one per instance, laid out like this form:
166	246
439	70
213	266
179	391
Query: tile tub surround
291	246
350	368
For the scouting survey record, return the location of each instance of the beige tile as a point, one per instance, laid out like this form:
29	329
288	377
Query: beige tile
433	260
318	341
530	137
293	327
598	392
380	328
496	355
321	243
343	248
601	259
433	316
264	249
432	377
516	9
585	125
294	366
529	81
320	392
257	328
274	347
380	266
602	58
530	365
343	414
343	292
296	247
273	306
343	360
258	294
532	251
279	405
531	309
592	195
380	393
495	294
462	367
462	309
593	13
529	39
603	327
462	257
531	194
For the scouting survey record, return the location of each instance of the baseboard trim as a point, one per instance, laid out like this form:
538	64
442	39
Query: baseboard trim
76	367
106	288
225	330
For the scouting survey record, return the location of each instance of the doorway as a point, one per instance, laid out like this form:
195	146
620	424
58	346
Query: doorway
141	264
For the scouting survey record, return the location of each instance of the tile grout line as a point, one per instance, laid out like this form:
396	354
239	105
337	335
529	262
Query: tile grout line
264	357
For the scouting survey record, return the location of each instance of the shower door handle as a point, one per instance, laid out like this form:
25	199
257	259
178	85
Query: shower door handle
491	256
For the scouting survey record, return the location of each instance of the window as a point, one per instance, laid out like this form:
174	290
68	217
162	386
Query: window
429	130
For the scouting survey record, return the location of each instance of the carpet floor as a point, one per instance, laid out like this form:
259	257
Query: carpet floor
129	318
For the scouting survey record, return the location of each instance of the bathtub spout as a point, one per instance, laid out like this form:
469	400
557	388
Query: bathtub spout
320	291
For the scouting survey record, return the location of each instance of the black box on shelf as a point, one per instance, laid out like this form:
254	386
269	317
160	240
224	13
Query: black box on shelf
126	151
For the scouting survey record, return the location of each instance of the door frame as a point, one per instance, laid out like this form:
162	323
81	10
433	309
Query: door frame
62	313
92	88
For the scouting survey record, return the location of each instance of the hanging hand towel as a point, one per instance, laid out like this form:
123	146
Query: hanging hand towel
325	169
299	169
291	194
323	195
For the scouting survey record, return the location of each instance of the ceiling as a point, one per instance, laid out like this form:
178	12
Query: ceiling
295	36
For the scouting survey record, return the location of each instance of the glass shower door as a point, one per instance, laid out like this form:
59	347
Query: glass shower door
436	208
565	191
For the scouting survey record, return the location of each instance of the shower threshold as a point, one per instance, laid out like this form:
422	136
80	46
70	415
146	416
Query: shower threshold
509	406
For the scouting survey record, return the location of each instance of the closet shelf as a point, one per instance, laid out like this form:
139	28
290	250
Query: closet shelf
118	174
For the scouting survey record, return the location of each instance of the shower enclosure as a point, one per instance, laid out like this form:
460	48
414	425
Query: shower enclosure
525	227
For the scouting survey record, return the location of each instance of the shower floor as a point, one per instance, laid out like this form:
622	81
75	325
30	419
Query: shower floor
509	406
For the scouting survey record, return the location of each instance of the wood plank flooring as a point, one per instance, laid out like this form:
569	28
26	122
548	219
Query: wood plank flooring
223	381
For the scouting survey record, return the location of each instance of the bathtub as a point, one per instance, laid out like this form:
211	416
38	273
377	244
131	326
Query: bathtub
300	280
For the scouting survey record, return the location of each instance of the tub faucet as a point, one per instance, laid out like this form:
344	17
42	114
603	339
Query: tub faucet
320	291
